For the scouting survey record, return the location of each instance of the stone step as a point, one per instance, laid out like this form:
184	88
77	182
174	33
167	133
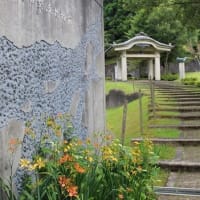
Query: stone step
176	109
179	141
189	153
162	96
180	88
179	165
174	92
188	134
187	103
177	191
179	126
176	197
183	116
170	99
176	96
184	179
182	105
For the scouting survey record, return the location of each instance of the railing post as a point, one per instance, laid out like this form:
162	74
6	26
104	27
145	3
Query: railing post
124	121
141	113
152	96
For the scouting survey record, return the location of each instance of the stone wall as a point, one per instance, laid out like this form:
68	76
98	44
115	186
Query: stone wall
51	61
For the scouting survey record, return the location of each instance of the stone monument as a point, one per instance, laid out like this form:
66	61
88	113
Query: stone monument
181	65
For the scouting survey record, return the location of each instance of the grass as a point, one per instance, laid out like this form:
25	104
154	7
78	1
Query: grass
167	133
165	121
165	152
162	177
126	87
114	118
193	75
114	124
174	113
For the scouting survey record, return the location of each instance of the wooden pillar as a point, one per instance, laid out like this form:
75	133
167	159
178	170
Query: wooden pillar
157	67
124	66
151	71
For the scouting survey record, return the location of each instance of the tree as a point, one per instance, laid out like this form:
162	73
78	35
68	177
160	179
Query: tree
189	11
161	24
117	20
194	44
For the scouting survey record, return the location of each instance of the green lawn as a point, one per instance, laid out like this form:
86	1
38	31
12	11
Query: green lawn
193	75
126	87
114	119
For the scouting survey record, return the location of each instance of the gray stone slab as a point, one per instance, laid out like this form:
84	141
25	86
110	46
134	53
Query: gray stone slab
169	141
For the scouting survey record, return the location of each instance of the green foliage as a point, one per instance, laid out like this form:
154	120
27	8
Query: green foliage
169	77
183	9
195	75
197	83
161	24
189	81
116	20
190	13
7	190
165	152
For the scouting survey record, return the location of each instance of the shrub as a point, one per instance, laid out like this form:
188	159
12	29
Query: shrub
198	83
169	77
108	78
85	170
189	81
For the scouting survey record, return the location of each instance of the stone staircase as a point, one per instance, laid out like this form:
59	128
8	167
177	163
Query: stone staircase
184	169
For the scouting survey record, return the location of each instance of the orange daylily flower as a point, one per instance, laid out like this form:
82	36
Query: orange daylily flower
64	182
13	144
79	169
13	141
108	137
65	158
65	142
96	145
72	190
121	196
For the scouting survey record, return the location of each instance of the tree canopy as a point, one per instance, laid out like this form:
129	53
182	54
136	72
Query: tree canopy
168	21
